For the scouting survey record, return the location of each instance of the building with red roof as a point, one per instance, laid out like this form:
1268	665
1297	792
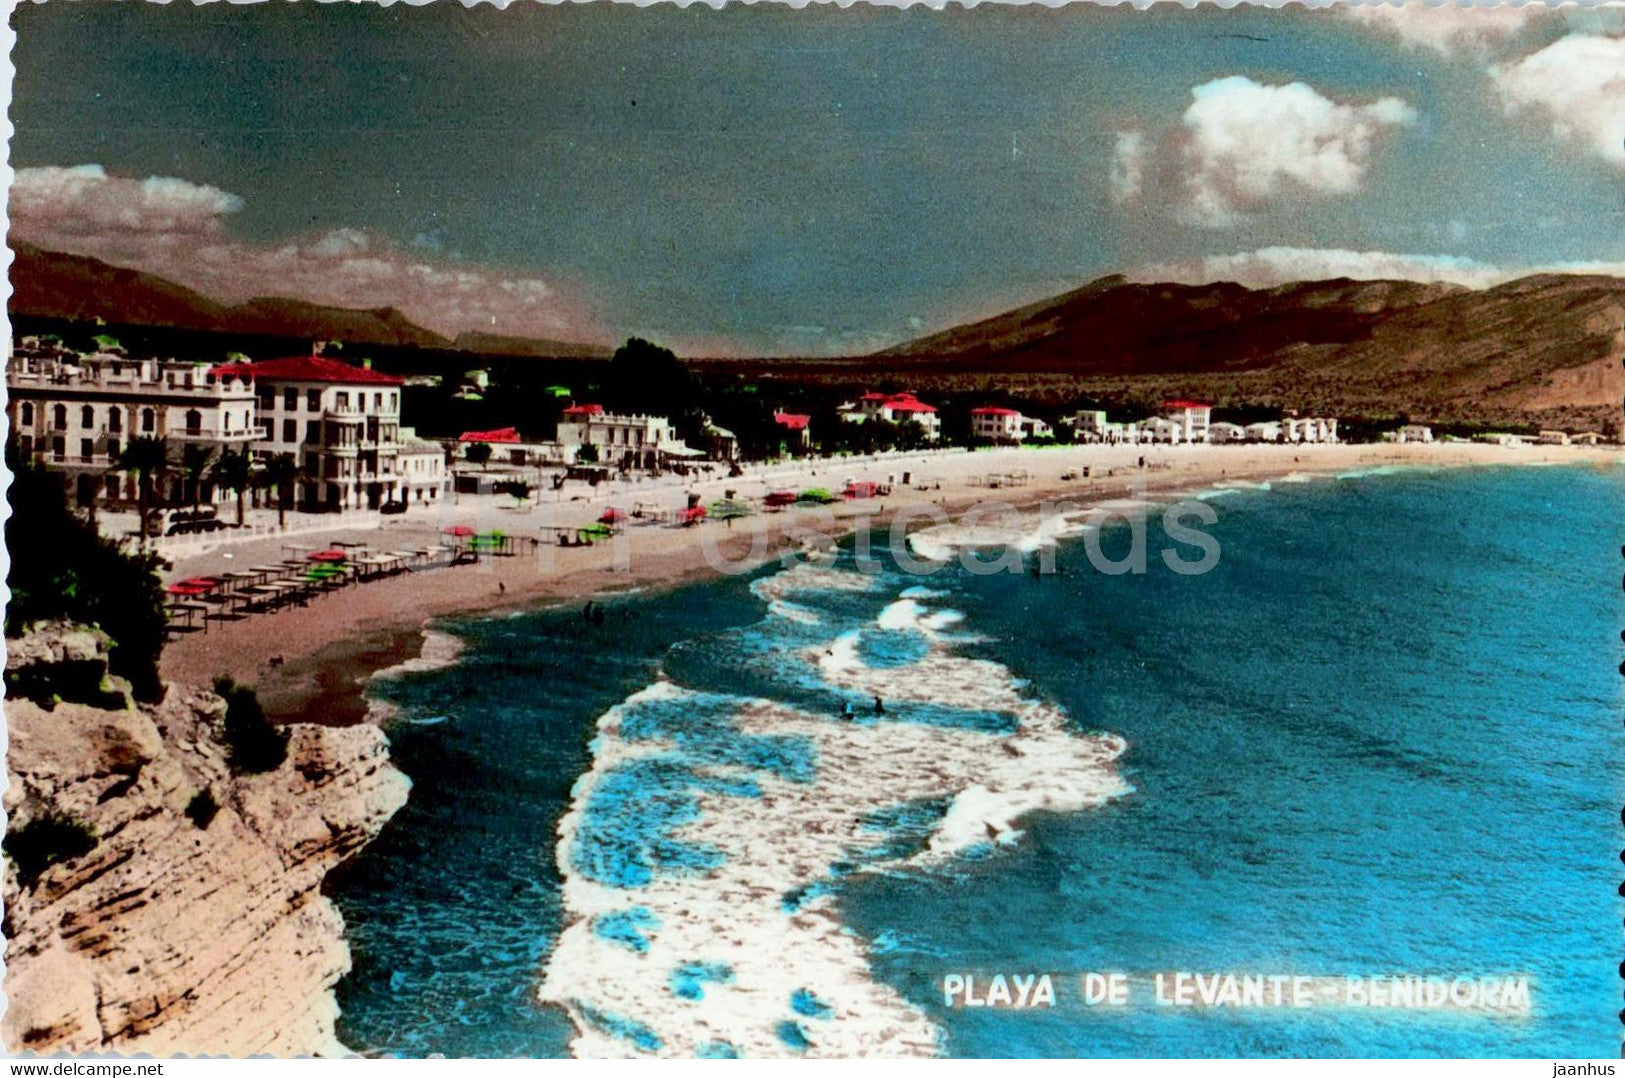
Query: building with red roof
895	408
998	424
796	426
500	436
340	421
1191	418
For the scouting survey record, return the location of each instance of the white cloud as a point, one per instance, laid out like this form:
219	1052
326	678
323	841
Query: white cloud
1271	266
1242	146
176	229
1128	166
1577	85
85	200
1447	29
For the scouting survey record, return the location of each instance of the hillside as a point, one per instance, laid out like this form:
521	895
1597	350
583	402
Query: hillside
1544	348
50	284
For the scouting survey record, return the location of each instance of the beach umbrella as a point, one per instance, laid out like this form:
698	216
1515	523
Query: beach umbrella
327	555
612	516
462	530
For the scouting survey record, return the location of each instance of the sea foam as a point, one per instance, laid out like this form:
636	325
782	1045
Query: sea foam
719	826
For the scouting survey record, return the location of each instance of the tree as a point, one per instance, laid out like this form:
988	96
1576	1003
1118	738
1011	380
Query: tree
477	453
62	568
235	472
519	489
281	472
195	460
587	454
647	379
148	458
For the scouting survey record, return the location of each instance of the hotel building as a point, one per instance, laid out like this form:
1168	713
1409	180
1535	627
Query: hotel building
74	414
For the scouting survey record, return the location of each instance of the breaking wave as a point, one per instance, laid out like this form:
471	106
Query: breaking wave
844	733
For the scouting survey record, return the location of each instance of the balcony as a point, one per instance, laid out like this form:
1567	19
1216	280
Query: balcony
214	434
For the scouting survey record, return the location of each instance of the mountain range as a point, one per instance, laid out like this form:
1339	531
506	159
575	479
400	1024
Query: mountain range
51	284
1542	348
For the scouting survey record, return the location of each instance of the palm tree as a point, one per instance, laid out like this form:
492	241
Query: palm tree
235	472
148	458
281	472
194	465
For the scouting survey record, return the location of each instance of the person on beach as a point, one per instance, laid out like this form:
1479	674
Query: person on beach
880	707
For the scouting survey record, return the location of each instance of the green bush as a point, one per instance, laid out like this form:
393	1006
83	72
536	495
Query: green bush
44	841
253	745
61	568
202	808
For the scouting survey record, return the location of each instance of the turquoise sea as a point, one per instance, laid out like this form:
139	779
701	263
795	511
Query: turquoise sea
1382	736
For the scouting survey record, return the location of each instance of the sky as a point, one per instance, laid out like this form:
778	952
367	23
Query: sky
817	181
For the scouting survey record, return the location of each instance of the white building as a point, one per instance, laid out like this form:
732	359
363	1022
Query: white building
342	423
1554	437
1414	432
1267	431
895	408
623	441
422	466
510	451
1192	417
1088	425
1224	433
1310	429
996	424
74	414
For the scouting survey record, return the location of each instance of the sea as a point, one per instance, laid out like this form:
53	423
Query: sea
772	813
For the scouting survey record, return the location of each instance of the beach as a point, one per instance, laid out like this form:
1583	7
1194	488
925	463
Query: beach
312	663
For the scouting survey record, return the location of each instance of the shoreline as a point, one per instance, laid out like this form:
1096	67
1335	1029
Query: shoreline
314	664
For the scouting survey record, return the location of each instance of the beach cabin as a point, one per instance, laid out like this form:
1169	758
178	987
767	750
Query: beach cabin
1267	431
1585	437
1225	433
1553	437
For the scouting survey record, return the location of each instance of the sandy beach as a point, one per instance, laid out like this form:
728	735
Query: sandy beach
312	663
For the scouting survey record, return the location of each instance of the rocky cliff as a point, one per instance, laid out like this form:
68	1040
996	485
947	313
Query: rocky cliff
160	902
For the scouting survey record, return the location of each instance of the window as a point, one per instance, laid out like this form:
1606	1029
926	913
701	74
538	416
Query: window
313	430
59	417
26	444
225	422
341	400
290	430
149	421
290	399
59	448
267	397
313	400
27	414
87	417
87	449
269	426
377	402
115	420
112	447
194	421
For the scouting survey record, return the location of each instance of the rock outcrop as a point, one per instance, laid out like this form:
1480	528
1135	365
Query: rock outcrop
194	922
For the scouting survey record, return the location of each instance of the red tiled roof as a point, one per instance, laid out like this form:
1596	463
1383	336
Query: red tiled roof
233	370
791	420
990	410
907	402
321	369
502	435
1186	404
584	409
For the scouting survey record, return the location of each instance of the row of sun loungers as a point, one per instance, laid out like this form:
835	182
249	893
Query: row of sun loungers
294	581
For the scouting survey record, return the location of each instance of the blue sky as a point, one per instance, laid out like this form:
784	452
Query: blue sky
772	181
